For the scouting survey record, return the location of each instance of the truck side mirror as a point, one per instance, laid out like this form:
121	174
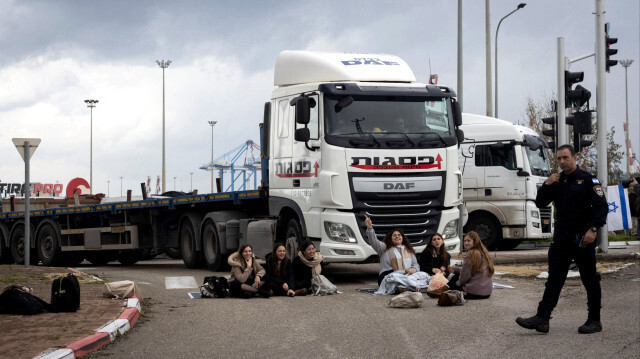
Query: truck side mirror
302	135
303	112
459	136
457	113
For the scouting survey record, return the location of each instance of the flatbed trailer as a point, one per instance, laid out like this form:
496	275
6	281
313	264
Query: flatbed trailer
126	231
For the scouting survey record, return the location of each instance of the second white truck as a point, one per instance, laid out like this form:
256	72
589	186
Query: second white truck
503	166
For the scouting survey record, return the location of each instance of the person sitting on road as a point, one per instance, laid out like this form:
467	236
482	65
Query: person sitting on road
306	265
279	272
435	257
246	274
475	275
395	251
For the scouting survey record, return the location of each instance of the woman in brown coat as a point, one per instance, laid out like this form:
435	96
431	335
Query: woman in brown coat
246	274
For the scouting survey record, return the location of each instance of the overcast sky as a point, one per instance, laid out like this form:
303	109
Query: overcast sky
56	54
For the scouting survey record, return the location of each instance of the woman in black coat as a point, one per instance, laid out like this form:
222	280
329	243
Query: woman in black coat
306	265
435	257
279	277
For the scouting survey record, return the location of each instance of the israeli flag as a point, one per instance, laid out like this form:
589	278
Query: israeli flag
619	216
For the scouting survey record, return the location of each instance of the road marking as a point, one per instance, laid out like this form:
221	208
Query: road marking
180	282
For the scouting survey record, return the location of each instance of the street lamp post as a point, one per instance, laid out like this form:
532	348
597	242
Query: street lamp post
212	123
191	173
108	188
91	104
174	183
520	6
626	64
163	64
121	186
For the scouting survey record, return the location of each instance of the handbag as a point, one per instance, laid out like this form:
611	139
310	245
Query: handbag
407	300
451	297
322	286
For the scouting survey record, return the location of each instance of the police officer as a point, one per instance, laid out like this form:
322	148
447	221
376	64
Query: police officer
581	209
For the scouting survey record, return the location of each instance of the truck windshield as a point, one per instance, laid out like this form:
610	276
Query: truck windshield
538	161
388	121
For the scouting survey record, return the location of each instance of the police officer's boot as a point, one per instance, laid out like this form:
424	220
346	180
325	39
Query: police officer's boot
539	324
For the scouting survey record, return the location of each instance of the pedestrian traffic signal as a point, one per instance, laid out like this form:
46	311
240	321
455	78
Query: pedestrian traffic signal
578	96
551	133
609	51
581	122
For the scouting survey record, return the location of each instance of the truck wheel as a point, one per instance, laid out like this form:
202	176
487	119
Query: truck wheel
129	257
488	229
190	256
18	247
293	238
5	253
48	246
173	252
211	246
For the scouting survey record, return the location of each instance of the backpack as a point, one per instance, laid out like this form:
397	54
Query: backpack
15	300
322	286
65	293
215	287
407	299
451	297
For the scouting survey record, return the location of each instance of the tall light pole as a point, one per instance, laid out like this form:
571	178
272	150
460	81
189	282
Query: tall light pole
626	64
212	123
174	183
108	188
520	6
163	64
191	173
91	104
121	186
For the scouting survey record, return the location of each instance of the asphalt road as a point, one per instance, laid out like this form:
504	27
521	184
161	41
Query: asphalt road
358	325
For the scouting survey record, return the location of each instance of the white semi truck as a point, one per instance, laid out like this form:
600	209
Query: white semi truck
503	166
344	135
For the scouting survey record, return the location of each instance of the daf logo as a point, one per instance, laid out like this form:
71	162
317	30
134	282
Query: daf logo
399	185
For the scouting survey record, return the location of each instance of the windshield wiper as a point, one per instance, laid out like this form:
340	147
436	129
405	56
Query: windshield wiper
389	142
439	137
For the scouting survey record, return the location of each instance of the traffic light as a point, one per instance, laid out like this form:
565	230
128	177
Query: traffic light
551	133
578	96
581	122
609	51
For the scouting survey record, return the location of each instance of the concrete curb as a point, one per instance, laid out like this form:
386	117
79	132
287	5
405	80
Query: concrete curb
102	336
543	258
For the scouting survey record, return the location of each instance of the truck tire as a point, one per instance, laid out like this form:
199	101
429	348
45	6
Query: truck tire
5	253
129	257
187	237
48	245
18	247
213	257
488	229
293	238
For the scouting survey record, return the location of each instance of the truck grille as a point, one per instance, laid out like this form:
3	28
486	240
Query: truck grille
545	218
419	220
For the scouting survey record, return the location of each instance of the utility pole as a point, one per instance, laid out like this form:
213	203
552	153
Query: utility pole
601	105
626	64
488	58
163	64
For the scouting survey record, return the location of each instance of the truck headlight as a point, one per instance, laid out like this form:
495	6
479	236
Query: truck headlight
535	214
450	230
339	232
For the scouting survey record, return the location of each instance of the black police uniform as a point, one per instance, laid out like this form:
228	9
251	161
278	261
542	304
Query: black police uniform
580	205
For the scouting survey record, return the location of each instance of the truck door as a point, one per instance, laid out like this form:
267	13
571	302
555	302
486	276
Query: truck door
306	161
282	145
501	178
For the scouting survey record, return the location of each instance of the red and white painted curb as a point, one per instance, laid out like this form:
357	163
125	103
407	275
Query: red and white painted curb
103	336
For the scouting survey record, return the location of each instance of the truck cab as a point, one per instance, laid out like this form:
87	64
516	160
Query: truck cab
503	166
349	135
